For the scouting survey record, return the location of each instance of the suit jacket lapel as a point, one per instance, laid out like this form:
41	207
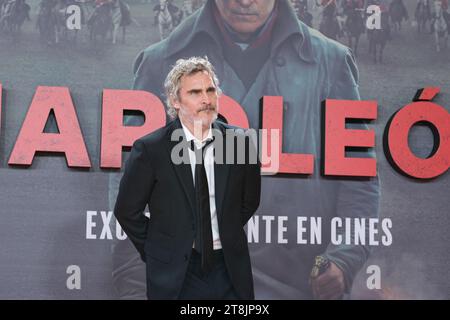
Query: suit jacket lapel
183	170
221	171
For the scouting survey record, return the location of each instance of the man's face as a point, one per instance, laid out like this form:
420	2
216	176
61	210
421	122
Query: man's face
245	16
197	100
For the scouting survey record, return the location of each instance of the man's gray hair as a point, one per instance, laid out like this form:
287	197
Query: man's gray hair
185	67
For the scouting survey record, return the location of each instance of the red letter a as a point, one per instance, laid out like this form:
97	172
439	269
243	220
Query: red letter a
69	140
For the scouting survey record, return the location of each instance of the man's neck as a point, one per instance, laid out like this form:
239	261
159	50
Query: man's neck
197	130
241	37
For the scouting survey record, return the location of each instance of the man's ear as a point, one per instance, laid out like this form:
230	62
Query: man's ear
175	102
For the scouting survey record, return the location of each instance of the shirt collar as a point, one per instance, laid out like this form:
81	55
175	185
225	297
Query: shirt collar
190	136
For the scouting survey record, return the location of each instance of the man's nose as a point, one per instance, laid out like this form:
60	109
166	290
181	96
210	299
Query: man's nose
205	98
245	3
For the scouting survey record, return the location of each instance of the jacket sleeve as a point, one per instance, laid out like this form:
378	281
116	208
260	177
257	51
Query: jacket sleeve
252	182
128	269
134	192
143	80
355	198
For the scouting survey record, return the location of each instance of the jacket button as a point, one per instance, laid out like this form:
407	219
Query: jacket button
185	257
280	61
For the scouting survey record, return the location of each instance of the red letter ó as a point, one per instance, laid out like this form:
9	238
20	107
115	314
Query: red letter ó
396	137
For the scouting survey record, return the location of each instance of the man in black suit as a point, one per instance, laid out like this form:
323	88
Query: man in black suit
199	196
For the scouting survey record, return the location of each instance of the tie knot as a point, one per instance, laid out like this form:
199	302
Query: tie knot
200	152
194	148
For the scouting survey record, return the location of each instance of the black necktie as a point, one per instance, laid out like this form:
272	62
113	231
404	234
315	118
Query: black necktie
203	237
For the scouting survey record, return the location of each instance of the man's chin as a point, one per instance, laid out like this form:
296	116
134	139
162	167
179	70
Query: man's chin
245	26
206	121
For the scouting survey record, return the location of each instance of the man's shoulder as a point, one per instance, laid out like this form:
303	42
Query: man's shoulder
155	138
336	62
158	51
237	132
326	48
150	56
230	129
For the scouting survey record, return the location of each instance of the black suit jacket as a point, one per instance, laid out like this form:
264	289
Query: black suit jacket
165	240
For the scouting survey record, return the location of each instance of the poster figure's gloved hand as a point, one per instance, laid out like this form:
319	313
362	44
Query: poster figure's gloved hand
327	280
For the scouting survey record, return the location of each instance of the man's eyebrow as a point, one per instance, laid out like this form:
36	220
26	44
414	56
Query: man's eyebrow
194	91
209	89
